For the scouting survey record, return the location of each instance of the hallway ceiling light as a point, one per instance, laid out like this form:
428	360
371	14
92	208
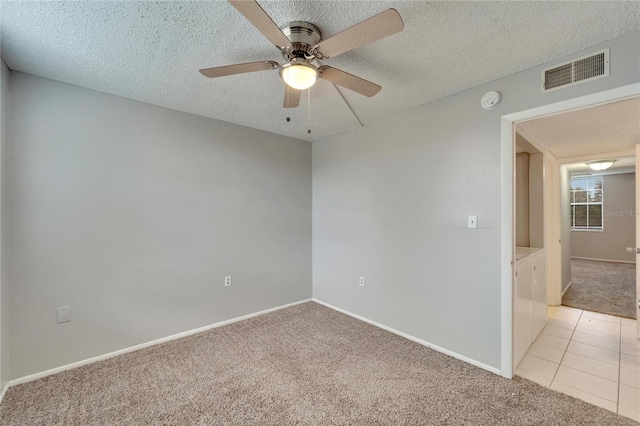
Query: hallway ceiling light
600	164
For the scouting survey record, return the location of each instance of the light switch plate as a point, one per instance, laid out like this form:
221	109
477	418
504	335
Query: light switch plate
63	314
472	222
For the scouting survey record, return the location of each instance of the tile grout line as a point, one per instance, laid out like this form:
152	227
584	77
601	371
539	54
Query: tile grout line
592	333
588	393
582	390
595	346
565	350
595	332
586	372
590	357
619	368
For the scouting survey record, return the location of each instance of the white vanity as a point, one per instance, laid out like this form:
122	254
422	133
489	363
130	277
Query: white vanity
529	299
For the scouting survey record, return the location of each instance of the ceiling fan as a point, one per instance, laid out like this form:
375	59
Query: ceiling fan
301	44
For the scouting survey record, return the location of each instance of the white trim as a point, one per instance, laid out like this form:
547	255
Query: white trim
506	226
553	230
637	243
576	104
565	290
187	333
4	391
603	260
412	338
612	155
507	248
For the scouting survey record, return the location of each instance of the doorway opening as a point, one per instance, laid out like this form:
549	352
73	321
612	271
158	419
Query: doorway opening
602	228
594	147
591	334
552	229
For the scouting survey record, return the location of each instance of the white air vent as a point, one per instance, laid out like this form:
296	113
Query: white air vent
581	70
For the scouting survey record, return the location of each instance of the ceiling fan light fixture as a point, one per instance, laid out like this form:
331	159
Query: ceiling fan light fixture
600	164
299	75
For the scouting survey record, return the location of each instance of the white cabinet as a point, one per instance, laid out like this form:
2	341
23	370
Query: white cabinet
539	293
529	300
522	310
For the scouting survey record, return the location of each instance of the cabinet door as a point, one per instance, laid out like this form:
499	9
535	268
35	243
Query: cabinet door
522	311
539	289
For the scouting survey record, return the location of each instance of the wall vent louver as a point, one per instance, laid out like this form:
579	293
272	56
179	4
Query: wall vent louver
578	71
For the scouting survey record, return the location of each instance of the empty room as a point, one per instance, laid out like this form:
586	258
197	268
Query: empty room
311	212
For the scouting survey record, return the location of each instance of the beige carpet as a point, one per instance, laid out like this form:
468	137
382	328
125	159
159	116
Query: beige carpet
304	365
605	287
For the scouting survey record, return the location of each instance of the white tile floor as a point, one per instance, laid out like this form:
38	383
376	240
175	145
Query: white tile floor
591	356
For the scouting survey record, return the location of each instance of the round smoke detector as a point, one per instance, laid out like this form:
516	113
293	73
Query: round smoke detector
490	100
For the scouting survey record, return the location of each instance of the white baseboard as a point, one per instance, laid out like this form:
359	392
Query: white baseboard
4	391
603	260
414	339
77	364
565	290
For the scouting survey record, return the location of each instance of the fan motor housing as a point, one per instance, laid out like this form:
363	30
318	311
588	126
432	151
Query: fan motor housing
303	36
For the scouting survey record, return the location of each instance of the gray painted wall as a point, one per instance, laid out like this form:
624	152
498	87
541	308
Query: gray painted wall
529	194
133	215
565	223
391	199
522	199
4	294
619	227
536	200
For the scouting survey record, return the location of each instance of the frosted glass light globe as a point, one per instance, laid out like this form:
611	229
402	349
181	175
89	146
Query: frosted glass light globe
600	165
299	76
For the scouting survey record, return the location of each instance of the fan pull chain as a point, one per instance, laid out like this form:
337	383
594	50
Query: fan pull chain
309	110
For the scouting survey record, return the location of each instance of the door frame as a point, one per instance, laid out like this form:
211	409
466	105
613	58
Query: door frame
637	299
507	243
557	285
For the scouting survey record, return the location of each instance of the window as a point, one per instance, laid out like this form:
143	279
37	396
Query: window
586	203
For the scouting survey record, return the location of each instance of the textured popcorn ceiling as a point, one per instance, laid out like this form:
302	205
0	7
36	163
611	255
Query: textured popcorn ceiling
599	130
151	52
